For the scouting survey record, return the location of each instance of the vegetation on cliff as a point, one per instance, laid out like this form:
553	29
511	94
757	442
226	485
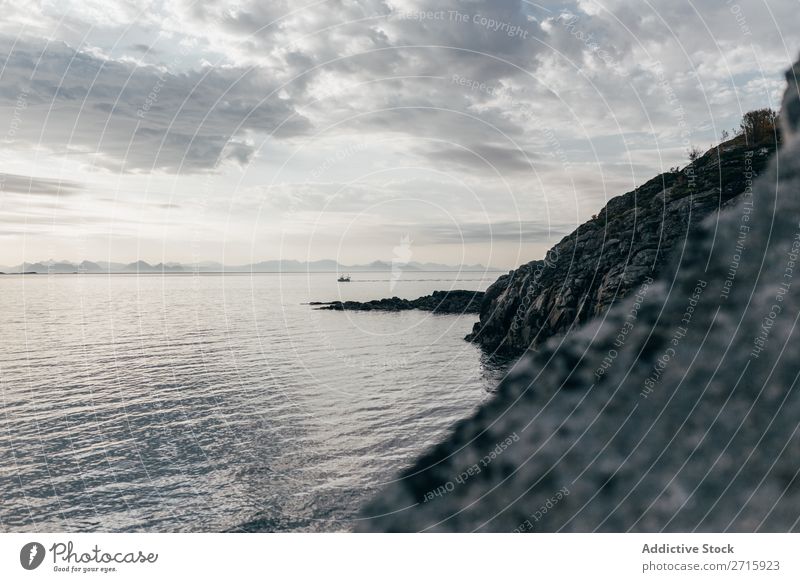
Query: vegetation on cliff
626	244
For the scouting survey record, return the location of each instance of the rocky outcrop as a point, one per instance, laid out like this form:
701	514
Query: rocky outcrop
678	410
456	301
609	257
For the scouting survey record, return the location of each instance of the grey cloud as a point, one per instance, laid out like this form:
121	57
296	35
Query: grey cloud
484	158
480	232
377	70
38	186
327	197
362	41
139	203
142	118
144	49
425	117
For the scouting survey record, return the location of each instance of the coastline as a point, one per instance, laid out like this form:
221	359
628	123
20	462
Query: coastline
450	302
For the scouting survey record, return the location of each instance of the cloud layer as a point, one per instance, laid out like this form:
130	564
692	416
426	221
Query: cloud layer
502	112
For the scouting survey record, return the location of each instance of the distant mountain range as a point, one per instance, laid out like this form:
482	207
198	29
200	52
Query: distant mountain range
276	266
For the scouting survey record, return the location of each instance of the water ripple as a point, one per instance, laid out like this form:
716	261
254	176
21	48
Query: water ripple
218	403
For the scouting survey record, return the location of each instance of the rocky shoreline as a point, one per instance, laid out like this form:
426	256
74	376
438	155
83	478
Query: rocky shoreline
450	302
675	411
610	257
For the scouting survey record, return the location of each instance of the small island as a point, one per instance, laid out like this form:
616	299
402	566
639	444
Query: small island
456	301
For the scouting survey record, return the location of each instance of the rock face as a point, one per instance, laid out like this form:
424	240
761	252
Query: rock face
456	301
610	256
678	410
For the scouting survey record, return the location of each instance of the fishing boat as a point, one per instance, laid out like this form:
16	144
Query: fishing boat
344	279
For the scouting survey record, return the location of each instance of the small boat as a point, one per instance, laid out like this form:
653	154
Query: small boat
343	279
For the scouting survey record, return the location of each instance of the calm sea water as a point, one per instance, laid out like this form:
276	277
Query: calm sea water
212	403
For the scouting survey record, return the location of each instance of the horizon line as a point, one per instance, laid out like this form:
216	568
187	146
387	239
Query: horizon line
109	263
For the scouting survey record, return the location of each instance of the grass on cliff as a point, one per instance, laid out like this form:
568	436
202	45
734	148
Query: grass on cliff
722	167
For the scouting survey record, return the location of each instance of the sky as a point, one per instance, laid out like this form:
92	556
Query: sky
459	132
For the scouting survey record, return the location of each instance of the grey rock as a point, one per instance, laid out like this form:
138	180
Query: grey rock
452	302
677	410
606	259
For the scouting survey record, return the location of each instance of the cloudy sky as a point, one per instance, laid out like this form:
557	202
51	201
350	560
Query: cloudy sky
482	131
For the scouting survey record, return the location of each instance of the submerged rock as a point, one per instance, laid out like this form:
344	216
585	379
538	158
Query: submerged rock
677	410
456	301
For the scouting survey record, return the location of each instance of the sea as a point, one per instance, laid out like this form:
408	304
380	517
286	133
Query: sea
222	402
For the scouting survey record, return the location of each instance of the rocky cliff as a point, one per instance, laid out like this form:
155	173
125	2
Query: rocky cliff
678	410
612	255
